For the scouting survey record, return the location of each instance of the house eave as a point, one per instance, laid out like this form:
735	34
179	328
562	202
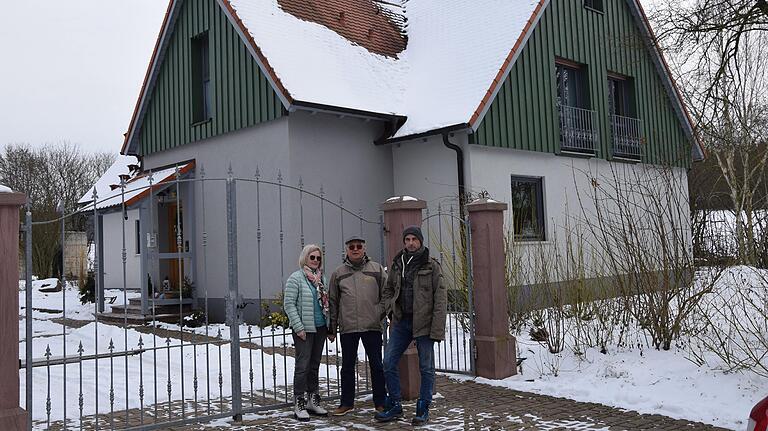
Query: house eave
461	127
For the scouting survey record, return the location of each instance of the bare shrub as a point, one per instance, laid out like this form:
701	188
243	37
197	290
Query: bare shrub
640	227
732	324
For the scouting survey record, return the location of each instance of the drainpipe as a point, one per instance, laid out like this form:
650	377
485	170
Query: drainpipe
459	171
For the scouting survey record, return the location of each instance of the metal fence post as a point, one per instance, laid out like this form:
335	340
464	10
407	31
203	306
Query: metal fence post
28	320
232	305
470	301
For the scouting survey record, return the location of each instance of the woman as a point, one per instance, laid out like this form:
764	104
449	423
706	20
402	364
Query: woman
305	301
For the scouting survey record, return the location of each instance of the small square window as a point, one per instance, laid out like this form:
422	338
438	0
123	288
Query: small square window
528	208
594	4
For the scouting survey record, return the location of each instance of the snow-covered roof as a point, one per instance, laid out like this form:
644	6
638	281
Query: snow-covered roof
136	187
322	53
454	52
316	64
110	178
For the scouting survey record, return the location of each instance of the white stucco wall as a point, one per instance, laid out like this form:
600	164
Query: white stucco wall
113	245
426	169
569	184
334	152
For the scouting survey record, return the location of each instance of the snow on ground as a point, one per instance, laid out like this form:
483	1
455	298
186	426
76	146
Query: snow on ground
644	379
167	362
55	305
635	377
162	361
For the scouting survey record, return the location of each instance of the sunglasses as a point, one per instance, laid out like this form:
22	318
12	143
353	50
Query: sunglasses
313	257
355	246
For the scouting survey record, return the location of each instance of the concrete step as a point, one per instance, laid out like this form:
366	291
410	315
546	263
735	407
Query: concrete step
162	301
159	309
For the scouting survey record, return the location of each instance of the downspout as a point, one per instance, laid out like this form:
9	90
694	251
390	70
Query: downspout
459	171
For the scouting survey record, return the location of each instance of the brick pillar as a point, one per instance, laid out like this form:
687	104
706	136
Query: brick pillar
495	346
12	417
399	214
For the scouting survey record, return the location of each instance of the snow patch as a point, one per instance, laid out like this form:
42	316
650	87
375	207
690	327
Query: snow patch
5	189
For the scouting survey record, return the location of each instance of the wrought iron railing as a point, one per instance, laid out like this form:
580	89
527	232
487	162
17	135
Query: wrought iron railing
627	137
578	129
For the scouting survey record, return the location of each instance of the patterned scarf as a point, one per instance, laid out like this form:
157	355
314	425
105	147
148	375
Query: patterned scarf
316	278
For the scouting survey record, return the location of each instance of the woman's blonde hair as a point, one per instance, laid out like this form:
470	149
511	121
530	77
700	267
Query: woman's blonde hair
304	256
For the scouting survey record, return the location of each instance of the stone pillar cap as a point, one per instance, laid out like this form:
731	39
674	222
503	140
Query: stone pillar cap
486	204
403	202
9	197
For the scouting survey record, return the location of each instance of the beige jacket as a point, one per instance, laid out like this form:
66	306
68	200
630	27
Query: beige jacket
354	296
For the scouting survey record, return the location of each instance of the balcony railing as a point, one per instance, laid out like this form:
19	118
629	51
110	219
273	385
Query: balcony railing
578	129
627	137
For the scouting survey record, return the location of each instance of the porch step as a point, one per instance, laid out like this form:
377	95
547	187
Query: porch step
162	301
159	309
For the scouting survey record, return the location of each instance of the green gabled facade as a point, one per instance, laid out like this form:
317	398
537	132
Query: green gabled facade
524	115
241	96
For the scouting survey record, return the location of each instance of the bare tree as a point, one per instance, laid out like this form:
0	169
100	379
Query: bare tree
733	124
48	175
710	33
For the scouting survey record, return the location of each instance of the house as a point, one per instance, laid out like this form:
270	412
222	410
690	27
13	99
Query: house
366	99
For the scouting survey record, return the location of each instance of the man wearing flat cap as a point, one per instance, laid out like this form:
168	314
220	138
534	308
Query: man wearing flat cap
416	301
357	313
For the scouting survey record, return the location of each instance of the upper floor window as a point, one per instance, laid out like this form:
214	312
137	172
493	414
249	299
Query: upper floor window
594	4
578	131
201	79
528	208
621	96
626	128
571	85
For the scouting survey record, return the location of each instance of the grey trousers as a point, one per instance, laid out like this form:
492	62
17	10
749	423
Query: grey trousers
308	355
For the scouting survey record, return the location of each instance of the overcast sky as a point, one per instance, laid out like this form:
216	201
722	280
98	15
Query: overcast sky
72	69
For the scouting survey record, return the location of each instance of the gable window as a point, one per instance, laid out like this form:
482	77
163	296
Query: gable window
201	79
594	5
577	122
528	208
625	127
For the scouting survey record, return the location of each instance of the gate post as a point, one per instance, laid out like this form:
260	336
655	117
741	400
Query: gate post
233	297
495	346
400	213
12	417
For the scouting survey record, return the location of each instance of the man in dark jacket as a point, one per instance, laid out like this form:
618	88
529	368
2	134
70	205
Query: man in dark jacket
356	313
416	300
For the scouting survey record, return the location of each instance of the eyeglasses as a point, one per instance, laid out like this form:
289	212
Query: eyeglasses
355	246
313	257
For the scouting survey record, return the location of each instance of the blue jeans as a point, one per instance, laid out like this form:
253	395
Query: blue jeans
400	337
